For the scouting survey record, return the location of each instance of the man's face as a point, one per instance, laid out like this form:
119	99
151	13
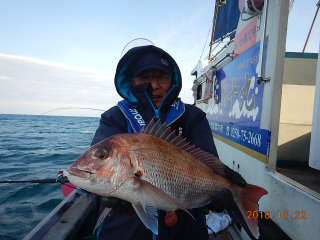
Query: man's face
160	83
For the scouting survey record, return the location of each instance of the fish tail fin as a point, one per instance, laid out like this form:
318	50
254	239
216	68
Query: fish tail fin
247	200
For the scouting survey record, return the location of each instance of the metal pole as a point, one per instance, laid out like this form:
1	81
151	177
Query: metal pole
264	25
225	36
213	28
314	19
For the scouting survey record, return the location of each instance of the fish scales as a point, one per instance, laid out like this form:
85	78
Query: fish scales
170	168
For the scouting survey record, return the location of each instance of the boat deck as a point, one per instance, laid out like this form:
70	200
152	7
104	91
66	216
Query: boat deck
304	175
227	234
74	219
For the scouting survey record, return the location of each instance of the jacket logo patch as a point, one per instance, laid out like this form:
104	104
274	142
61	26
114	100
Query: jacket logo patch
137	116
175	105
164	62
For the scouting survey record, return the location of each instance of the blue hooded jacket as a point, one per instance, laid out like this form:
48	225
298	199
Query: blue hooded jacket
196	130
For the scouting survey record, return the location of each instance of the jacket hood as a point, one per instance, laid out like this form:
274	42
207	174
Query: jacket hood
124	71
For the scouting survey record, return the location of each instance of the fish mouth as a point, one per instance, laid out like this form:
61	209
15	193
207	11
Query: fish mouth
79	173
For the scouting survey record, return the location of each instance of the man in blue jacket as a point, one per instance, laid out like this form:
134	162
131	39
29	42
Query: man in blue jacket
149	81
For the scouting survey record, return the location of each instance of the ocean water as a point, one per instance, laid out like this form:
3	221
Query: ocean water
36	148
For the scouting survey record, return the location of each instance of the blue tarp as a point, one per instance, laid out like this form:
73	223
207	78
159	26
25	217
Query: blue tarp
227	20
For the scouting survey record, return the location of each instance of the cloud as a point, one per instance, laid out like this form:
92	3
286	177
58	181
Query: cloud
33	86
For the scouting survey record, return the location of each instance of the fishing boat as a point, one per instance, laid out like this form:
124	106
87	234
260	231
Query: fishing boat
260	102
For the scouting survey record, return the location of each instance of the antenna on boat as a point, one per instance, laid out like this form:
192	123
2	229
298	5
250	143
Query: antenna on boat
314	19
222	3
138	42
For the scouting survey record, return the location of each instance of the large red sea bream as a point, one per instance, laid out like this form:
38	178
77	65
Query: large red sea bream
155	169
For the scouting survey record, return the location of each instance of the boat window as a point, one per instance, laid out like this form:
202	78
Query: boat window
199	92
201	88
295	126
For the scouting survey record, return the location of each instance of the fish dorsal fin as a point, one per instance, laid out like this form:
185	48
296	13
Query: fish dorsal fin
159	130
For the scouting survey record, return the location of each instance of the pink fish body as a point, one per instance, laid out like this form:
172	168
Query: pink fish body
156	169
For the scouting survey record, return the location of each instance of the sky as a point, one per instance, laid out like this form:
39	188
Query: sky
63	53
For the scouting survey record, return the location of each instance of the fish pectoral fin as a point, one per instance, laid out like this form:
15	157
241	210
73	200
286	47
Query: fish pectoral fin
150	195
148	216
101	218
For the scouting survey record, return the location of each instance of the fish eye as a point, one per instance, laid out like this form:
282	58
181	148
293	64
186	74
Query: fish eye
102	154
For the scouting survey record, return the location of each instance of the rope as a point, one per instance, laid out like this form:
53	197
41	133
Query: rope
205	224
205	42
